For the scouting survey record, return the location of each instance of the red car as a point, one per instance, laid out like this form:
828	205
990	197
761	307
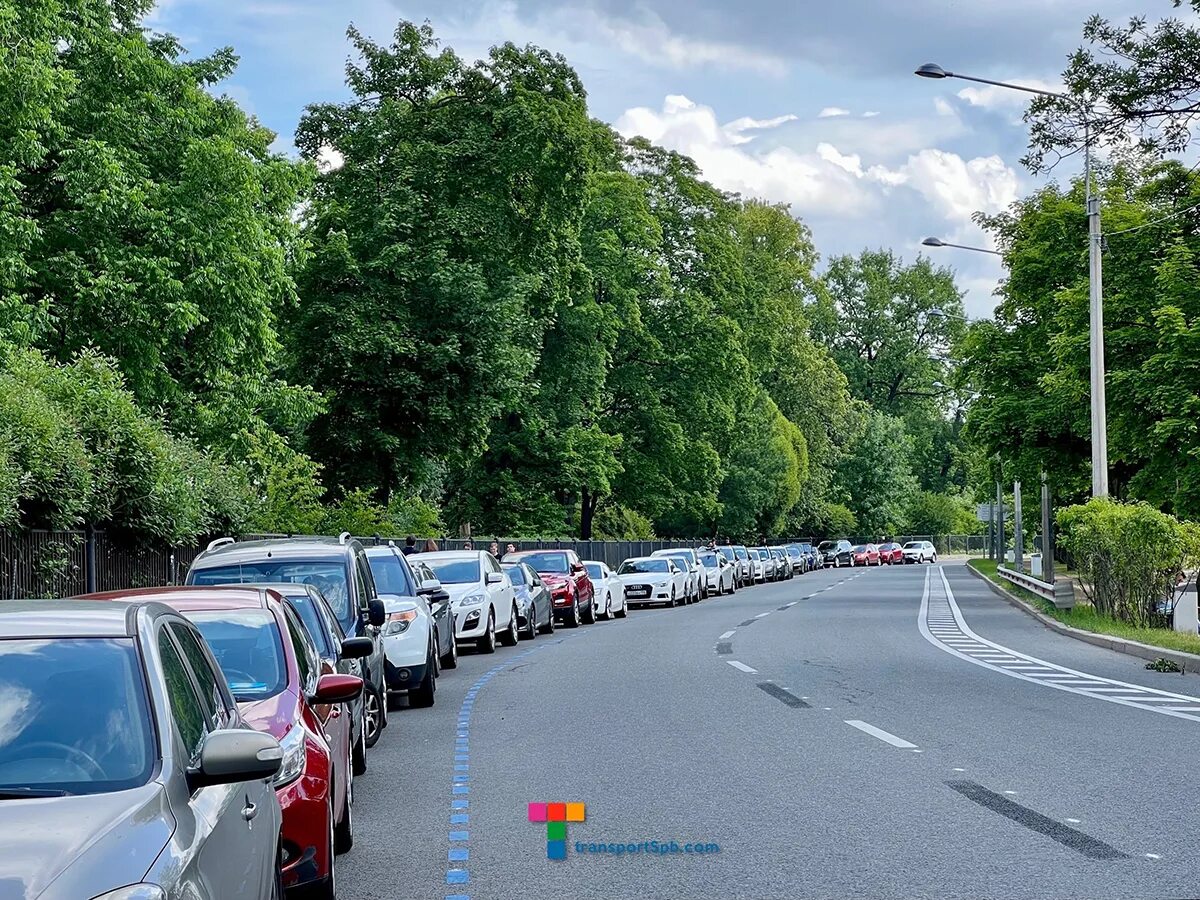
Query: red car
865	555
276	676
573	597
891	553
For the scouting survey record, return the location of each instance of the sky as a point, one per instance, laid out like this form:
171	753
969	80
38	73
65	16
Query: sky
810	104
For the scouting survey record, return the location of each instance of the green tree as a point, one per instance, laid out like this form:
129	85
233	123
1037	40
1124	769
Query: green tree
875	478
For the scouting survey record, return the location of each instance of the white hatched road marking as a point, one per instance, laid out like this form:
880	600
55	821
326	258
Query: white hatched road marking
938	604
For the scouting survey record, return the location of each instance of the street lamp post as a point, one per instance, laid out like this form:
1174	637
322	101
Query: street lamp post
1095	280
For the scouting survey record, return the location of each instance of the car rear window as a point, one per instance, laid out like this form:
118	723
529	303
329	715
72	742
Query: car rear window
326	575
74	717
249	649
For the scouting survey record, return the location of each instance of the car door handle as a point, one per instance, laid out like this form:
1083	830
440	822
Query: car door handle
249	811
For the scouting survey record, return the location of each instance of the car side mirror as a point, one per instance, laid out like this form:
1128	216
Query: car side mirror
376	612
429	586
494	578
338	688
577	569
357	647
234	755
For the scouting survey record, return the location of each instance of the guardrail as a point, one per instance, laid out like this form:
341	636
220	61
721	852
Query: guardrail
1061	593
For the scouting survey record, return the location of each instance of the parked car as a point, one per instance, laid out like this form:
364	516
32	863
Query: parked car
767	562
335	566
610	593
438	598
152	786
815	560
783	565
274	673
412	644
691	568
653	579
758	568
338	653
836	553
485	604
570	586
865	555
535	609
746	562
797	558
891	553
919	552
718	572
729	553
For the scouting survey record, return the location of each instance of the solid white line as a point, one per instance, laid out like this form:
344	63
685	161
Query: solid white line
881	734
741	667
727	635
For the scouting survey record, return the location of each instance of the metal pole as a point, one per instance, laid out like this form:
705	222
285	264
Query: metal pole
999	524
1096	343
991	548
1047	536
89	560
1018	533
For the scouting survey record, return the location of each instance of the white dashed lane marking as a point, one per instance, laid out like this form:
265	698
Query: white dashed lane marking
742	667
938	608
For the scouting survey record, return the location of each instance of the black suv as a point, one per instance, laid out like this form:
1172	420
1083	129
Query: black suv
835	553
338	568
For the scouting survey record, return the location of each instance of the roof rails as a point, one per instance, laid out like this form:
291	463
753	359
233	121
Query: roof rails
219	542
344	537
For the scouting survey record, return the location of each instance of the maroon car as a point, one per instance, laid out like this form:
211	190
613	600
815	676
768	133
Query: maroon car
891	553
563	573
865	555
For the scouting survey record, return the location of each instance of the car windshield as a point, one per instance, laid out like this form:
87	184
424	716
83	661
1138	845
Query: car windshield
806	547
390	574
793	551
728	553
859	548
555	563
306	608
639	566
741	553
249	649
826	545
455	571
709	559
326	575
515	573
593	570
913	545
53	738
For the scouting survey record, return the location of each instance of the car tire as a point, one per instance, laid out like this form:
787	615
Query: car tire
530	633
574	620
512	634
607	613
450	660
343	829
589	615
424	694
358	753
374	707
487	641
623	612
548	628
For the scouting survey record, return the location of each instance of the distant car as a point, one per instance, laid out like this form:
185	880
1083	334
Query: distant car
891	553
718	572
610	593
686	560
335	566
126	769
814	558
571	588
797	558
783	565
745	563
485	603
919	552
836	553
438	598
653	579
535	609
768	564
729	554
758	567
865	555
274	673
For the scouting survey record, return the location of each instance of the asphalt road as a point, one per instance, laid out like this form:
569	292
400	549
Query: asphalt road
849	733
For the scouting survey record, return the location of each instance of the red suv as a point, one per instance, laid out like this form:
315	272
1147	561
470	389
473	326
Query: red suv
275	674
568	581
891	553
865	555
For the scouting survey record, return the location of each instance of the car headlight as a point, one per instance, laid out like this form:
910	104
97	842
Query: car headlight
474	599
397	622
134	892
294	755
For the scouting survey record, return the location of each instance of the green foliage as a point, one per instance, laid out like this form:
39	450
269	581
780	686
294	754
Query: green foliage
874	477
930	513
1130	556
839	520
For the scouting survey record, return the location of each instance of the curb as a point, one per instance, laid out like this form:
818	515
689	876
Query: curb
1188	662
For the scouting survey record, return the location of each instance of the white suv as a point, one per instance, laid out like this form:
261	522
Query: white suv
484	602
919	552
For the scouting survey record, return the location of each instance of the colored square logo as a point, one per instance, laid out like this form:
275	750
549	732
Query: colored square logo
537	812
556	812
556	849
556	816
556	831
575	812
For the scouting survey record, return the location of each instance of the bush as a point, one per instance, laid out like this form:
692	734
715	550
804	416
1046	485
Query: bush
1130	556
839	520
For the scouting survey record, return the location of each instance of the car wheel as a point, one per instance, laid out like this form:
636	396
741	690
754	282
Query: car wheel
450	660
343	830
548	628
358	754
624	610
512	633
673	600
531	630
574	620
423	695
373	714
589	615
487	642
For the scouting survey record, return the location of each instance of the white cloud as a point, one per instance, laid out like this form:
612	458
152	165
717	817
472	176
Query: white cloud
329	159
870	114
990	96
831	112
943	107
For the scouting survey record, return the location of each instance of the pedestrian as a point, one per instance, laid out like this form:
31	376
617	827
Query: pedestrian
410	546
431	546
494	549
468	546
511	548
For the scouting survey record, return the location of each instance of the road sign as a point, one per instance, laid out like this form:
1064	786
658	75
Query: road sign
984	511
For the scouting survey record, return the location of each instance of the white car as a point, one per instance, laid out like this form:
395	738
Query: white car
653	579
919	552
481	595
686	560
408	646
609	592
763	565
718	572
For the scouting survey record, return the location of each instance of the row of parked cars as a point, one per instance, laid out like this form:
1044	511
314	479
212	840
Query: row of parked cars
843	553
226	719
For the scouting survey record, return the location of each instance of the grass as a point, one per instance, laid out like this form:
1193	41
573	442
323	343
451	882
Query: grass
1085	617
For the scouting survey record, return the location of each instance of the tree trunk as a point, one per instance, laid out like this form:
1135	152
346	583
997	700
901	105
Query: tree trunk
588	502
